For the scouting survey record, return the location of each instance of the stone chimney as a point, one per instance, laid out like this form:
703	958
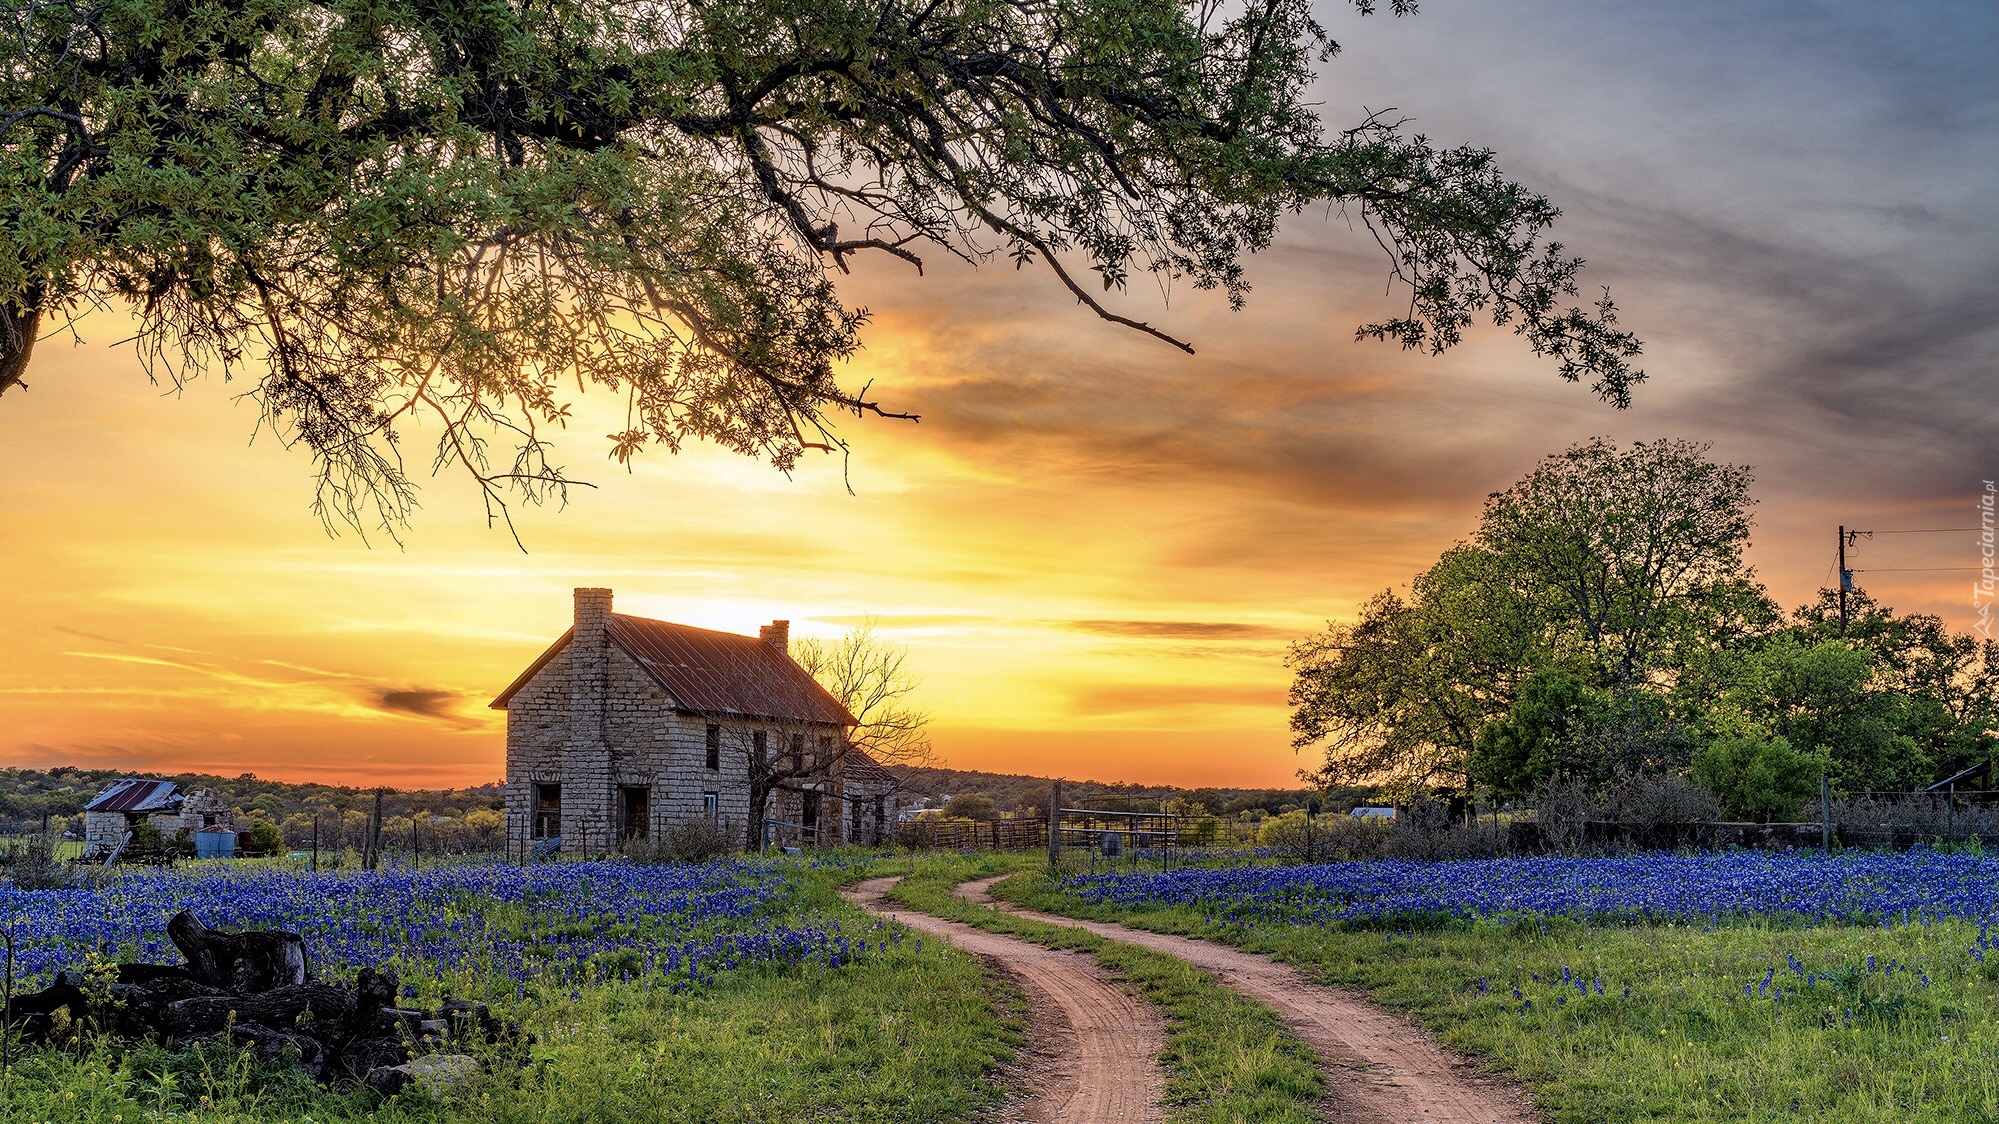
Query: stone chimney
586	759
593	611
777	634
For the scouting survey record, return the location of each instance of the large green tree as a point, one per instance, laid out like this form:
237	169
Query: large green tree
1632	557
388	209
1605	572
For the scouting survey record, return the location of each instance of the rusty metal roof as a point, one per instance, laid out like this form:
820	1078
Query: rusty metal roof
130	794
862	770
710	672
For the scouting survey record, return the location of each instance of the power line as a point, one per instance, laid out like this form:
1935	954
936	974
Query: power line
1926	531
1911	569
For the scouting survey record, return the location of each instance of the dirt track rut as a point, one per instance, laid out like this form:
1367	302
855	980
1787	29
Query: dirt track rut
1093	1048
1381	1066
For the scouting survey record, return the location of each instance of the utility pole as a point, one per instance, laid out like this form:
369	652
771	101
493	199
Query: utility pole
1845	580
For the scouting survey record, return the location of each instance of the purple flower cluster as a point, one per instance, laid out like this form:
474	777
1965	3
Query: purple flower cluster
1869	887
512	927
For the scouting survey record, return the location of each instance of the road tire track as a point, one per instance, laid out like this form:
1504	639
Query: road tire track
1381	1066
1094	1044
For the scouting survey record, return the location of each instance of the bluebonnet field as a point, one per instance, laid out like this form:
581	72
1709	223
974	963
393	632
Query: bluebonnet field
509	928
1854	887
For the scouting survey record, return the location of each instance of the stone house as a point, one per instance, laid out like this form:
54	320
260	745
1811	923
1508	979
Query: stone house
129	801
628	725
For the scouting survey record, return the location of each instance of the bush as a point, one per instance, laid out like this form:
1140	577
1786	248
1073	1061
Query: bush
1563	813
1911	820
1296	835
33	865
1759	776
265	838
1200	831
971	806
695	839
1659	800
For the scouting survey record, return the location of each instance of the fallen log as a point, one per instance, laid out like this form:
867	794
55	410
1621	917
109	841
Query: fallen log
326	1004
258	960
255	989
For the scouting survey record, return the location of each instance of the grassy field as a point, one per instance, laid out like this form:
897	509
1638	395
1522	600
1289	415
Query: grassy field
1748	1019
903	1031
1228	1060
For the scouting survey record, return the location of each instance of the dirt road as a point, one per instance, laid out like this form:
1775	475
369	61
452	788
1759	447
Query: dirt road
1092	1052
1381	1066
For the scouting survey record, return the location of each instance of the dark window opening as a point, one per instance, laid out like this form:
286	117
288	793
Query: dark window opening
711	806
854	826
714	747
825	759
632	811
546	818
797	752
808	817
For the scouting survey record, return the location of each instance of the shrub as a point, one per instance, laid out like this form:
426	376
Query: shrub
265	838
971	806
1563	812
1911	820
1297	835
695	839
33	865
1759	776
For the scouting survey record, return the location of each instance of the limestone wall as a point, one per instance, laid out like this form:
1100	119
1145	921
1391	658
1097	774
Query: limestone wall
102	832
645	741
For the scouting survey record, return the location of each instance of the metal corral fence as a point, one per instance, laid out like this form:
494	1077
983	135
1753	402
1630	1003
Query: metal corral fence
1103	834
974	835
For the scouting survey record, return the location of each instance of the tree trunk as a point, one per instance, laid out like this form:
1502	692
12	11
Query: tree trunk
759	800
17	343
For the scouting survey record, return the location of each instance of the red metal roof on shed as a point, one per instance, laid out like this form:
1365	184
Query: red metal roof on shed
710	672
131	794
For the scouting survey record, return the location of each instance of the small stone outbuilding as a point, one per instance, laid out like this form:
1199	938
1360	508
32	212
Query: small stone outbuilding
129	801
627	726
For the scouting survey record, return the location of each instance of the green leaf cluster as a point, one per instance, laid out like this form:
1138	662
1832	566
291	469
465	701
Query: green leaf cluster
463	210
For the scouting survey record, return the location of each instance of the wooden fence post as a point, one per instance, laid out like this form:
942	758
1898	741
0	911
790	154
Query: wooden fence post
1055	826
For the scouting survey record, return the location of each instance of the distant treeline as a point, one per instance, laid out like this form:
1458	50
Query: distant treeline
469	817
1015	793
447	819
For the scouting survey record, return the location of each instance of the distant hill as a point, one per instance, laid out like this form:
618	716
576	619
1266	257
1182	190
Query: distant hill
1019	792
27	795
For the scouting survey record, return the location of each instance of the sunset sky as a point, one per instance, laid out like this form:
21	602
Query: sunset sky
1095	547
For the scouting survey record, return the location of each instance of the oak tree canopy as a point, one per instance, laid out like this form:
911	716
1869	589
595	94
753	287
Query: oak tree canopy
379	210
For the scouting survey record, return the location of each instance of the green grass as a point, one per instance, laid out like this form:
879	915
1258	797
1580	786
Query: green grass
1687	1044
901	1036
1228	1059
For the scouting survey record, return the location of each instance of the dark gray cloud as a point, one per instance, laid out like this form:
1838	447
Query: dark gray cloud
434	703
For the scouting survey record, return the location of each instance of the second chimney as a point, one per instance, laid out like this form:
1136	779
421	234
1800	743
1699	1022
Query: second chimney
777	634
593	611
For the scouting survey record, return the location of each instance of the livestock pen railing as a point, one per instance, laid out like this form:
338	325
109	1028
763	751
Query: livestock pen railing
975	835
